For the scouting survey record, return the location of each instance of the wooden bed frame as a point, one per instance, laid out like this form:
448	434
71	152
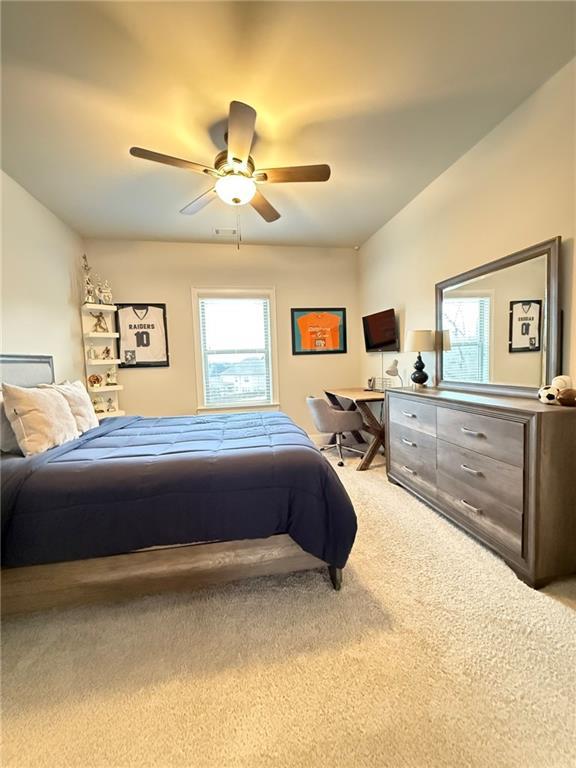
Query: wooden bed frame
146	572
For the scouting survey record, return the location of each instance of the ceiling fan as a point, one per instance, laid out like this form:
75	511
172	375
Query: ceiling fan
235	171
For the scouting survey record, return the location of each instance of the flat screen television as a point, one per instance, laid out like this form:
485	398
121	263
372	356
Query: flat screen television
380	333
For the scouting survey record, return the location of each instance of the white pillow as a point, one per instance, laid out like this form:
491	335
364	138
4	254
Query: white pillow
8	442
79	402
40	418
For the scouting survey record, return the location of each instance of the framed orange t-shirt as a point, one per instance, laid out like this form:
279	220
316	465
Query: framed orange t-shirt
318	330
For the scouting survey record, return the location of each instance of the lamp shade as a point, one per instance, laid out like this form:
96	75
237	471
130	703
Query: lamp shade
419	341
393	369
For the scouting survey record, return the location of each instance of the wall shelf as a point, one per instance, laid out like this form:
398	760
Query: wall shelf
102	362
105	388
93	335
112	414
99	307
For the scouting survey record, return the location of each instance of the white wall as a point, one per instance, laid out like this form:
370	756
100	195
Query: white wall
165	272
515	188
40	291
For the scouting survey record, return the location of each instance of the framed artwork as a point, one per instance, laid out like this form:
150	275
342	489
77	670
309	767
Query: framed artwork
318	331
143	336
525	321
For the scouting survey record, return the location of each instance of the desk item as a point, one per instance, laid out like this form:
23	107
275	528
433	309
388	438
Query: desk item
501	468
419	341
393	371
362	398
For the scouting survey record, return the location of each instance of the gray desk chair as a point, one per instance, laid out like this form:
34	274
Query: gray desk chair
327	419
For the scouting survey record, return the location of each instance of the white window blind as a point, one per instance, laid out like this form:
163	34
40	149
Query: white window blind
468	320
235	341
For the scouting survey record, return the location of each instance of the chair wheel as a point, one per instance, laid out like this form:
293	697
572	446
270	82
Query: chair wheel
340	463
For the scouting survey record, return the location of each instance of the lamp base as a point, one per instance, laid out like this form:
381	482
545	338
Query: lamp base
419	376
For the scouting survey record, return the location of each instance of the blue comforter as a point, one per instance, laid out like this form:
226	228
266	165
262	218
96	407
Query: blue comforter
138	482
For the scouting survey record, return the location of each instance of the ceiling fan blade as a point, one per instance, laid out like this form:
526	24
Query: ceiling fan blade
293	173
156	157
241	121
200	202
264	208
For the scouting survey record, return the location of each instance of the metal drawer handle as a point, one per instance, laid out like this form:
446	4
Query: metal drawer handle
409	442
471	432
409	415
474	472
476	510
407	469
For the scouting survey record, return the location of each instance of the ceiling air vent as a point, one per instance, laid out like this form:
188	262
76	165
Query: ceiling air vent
229	233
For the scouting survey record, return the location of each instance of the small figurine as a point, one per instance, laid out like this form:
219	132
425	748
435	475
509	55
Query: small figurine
106	354
98	404
111	406
111	378
89	290
100	326
92	354
105	294
95	380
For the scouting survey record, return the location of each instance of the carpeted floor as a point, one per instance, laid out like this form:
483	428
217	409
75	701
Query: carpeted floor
433	654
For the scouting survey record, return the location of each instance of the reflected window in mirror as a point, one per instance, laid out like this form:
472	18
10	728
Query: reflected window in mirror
468	320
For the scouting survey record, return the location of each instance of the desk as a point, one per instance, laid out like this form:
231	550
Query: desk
362	398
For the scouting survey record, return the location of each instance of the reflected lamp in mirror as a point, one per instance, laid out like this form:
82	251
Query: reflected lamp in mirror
393	371
419	341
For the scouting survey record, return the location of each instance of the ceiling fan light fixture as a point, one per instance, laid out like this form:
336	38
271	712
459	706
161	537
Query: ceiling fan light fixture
235	189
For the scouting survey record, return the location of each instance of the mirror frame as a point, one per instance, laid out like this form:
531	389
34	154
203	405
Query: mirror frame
548	248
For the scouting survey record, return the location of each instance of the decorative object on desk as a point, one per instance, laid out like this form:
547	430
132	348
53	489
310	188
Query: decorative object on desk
319	331
98	404
371	383
567	397
92	354
111	377
95	380
561	382
100	325
393	371
548	395
524	333
89	290
106	354
419	341
143	335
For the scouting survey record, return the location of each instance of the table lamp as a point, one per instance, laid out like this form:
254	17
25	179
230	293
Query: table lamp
393	371
419	341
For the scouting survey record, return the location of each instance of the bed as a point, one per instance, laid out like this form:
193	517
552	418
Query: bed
139	505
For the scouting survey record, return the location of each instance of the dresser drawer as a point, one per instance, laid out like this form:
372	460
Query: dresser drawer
420	479
498	438
412	414
492	521
460	469
411	447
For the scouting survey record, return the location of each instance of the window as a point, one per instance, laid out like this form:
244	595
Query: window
468	320
235	348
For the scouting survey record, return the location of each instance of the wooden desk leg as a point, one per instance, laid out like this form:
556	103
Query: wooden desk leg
373	426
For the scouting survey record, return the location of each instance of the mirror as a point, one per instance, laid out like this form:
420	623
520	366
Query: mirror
498	325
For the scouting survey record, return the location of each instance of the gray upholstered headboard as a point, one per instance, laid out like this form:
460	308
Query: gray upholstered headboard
27	370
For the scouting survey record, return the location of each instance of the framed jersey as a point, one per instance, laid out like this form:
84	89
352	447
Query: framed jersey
143	335
525	322
320	331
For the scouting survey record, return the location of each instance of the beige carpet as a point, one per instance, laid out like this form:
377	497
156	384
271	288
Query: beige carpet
434	654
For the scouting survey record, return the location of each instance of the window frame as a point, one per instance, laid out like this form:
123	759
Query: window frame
268	293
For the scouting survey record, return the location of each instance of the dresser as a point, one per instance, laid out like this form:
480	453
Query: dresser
501	468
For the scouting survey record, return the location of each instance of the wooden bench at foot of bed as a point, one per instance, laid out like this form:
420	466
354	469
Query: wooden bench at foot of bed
149	572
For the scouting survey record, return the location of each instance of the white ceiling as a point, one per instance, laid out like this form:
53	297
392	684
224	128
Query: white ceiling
389	94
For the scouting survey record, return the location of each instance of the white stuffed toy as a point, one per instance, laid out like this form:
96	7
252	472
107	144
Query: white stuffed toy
562	382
